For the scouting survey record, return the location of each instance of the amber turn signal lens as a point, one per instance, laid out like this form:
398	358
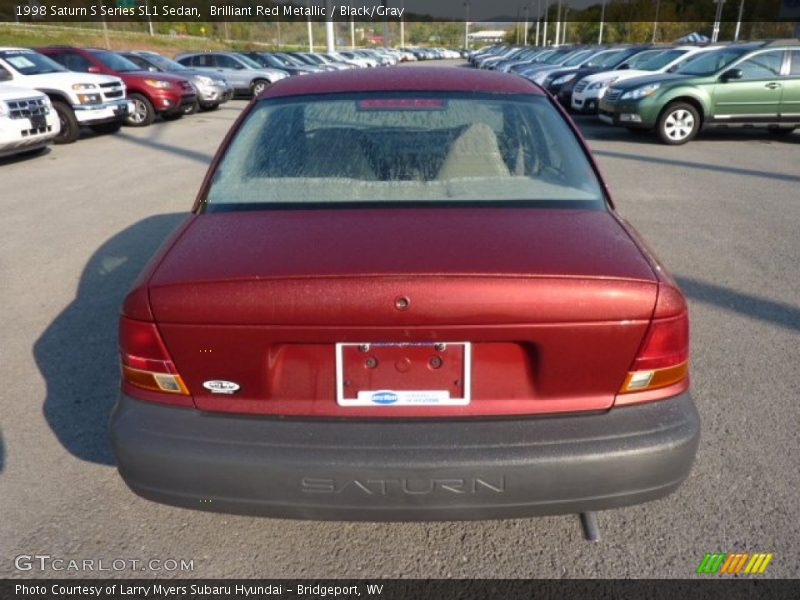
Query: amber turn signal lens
158	382
640	381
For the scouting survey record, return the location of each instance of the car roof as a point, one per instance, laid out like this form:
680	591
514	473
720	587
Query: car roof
433	79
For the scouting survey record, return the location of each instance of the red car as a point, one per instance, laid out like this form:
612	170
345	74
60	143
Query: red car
404	294
151	93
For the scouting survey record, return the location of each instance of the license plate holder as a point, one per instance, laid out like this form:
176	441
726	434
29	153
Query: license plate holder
403	374
38	122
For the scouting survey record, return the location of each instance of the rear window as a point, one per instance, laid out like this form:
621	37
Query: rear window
385	148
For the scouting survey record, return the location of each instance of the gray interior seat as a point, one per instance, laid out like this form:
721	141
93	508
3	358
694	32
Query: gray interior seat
475	153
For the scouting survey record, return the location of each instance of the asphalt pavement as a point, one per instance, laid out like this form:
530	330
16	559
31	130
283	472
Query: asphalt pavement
80	221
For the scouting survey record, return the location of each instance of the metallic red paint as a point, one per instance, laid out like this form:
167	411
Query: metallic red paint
423	79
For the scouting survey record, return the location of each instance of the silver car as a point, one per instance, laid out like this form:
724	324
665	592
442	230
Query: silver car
245	75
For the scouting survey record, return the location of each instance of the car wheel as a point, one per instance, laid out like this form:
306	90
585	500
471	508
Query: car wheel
678	124
143	113
191	108
70	128
781	130
106	127
258	86
173	116
209	107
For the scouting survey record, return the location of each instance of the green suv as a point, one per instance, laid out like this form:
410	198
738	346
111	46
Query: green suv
753	84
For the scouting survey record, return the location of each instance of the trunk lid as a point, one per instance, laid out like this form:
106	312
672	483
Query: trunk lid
554	302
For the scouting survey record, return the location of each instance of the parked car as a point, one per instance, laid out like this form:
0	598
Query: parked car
534	360
245	75
756	84
272	60
609	62
586	96
28	122
151	94
212	89
88	99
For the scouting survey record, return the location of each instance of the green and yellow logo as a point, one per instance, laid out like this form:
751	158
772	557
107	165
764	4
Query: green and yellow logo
736	562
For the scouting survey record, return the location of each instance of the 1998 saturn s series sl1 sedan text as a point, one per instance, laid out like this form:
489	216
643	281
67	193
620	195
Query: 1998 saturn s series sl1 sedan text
404	294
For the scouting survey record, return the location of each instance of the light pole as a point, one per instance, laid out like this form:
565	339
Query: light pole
310	30
739	22
546	10
330	36
525	31
602	22
717	19
655	22
538	19
558	22
466	24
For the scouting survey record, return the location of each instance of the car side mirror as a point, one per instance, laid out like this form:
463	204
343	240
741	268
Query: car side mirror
5	75
93	69
623	67
732	74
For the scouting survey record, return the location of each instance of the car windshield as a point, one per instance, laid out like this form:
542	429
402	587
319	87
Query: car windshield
166	64
708	63
643	57
604	59
404	147
660	61
291	60
577	59
115	62
28	62
248	61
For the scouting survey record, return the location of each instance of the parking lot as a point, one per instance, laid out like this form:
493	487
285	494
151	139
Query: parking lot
80	222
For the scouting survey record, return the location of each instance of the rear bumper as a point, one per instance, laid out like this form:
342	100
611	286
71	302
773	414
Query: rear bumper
405	470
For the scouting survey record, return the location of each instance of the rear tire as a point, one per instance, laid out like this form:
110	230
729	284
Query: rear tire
679	123
191	108
70	128
106	128
143	112
258	86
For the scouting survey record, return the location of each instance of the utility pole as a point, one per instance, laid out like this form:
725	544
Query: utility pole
564	26
739	22
602	22
655	22
538	19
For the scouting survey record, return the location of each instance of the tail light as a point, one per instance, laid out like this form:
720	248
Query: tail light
663	359
146	364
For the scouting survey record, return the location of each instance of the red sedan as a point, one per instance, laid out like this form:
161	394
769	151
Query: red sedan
404	294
